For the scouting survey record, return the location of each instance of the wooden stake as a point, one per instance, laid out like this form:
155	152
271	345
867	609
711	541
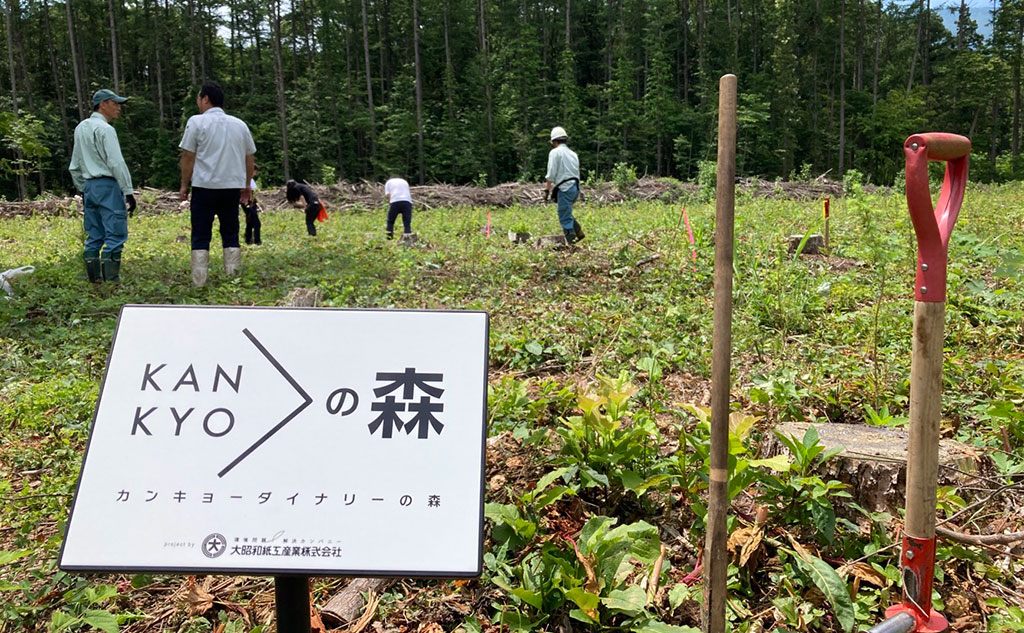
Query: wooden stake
828	243
713	609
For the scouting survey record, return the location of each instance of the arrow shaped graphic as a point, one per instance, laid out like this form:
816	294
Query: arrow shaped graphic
280	425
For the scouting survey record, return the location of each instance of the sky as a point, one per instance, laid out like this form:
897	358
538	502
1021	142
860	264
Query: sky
981	12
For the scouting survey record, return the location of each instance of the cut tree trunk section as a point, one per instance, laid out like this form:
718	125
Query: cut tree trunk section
873	460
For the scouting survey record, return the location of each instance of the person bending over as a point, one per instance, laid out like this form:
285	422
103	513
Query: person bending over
294	191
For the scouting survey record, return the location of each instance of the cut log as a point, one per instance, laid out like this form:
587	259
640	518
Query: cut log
815	244
550	241
520	237
302	298
347	605
408	239
873	460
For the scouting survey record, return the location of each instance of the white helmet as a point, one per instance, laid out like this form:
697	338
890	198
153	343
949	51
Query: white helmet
558	133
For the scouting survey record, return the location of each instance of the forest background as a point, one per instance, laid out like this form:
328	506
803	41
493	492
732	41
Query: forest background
465	91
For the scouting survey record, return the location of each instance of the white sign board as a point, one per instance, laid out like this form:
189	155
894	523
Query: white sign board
286	440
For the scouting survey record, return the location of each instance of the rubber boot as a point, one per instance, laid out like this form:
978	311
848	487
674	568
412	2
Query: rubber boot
579	230
200	267
92	266
110	263
570	236
232	260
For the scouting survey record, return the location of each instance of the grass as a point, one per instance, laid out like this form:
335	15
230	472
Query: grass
815	339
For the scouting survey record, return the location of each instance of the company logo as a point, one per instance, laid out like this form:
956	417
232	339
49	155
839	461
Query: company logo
214	545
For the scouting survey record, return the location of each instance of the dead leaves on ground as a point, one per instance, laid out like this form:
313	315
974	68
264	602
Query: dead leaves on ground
744	543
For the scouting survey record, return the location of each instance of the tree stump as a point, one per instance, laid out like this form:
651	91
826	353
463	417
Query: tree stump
815	244
518	237
551	241
302	298
873	460
408	239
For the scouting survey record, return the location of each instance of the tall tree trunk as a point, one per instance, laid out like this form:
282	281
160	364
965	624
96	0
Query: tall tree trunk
925	47
255	22
381	24
369	91
58	82
842	86
328	35
961	24
419	86
295	40
201	35
702	75
232	41
1015	132
756	37
686	49
158	44
858	80
386	62
568	24
19	51
878	56
449	68
484	50
279	85
192	42
308	33
8	23
75	65
917	48
115	75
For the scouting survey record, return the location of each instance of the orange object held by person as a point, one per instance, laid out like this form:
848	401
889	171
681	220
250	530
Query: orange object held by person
322	216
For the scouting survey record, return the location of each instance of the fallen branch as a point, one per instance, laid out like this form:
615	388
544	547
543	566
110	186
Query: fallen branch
985	539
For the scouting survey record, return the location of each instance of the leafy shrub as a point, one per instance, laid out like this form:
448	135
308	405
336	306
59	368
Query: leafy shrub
624	176
853	182
707	179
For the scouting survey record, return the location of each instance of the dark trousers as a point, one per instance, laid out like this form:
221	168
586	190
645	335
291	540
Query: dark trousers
207	204
252	223
312	211
405	208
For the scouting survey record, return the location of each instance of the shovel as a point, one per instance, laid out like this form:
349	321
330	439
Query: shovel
933	227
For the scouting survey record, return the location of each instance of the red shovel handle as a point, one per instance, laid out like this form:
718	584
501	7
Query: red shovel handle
934	225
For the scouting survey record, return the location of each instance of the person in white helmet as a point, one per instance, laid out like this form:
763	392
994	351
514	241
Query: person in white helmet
563	183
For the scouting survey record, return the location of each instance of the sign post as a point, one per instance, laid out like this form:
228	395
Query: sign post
287	442
291	597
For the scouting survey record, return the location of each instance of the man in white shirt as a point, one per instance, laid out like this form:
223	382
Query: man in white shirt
563	181
217	159
396	190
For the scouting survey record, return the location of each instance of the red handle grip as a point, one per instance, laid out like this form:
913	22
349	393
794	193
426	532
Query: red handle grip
933	226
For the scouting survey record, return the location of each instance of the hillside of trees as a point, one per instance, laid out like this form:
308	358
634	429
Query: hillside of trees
465	91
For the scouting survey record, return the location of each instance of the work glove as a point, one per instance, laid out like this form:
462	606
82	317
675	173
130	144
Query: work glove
130	201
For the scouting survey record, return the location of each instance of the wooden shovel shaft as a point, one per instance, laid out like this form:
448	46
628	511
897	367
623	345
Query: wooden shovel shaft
721	359
925	415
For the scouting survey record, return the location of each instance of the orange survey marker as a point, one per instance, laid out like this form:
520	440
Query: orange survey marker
322	216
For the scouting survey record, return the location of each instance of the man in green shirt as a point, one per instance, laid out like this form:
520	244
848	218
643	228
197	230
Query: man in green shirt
99	172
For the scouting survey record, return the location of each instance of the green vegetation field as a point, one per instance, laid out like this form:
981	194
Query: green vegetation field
599	372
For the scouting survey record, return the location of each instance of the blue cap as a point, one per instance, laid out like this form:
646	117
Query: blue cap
100	96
